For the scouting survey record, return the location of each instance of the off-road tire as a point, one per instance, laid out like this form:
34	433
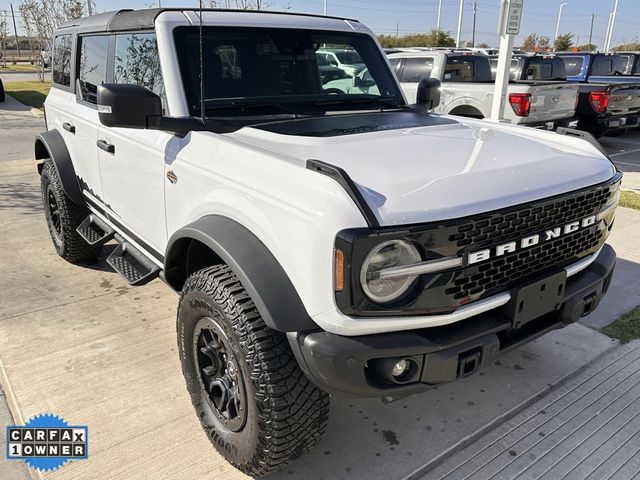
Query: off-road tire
67	242
286	413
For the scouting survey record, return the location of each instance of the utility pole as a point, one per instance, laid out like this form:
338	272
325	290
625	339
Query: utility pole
15	29
612	22
439	13
325	8
562	5
459	24
473	35
593	16
397	34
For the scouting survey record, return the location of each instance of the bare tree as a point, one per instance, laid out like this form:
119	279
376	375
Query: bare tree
40	18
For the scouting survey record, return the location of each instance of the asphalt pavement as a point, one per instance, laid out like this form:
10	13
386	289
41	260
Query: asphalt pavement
79	342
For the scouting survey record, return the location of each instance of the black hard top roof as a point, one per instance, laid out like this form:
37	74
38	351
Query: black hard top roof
127	19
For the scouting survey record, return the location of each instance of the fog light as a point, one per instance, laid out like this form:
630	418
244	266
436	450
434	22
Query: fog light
400	368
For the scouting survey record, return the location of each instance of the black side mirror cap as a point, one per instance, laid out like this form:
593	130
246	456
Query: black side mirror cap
428	93
127	106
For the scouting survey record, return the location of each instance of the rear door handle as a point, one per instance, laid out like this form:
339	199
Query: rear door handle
69	128
107	147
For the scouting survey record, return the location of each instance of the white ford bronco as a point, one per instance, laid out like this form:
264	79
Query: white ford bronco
322	243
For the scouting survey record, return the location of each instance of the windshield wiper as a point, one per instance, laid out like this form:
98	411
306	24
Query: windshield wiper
245	106
381	102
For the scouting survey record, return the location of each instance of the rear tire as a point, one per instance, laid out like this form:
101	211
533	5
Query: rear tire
63	217
271	412
1	92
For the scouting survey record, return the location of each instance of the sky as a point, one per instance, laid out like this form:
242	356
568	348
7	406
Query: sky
414	16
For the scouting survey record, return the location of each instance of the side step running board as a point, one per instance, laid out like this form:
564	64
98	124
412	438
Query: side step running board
95	231
131	264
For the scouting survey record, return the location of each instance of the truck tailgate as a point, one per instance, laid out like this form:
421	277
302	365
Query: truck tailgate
552	101
624	99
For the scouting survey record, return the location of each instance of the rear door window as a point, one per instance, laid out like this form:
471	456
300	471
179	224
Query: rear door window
92	71
61	68
415	69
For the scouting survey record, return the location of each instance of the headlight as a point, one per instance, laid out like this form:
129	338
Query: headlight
394	253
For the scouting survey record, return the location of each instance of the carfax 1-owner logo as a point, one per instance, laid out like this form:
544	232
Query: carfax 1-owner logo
46	442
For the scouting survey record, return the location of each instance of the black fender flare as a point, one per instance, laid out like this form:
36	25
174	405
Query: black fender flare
50	144
259	272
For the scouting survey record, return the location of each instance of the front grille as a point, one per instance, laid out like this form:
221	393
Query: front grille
501	273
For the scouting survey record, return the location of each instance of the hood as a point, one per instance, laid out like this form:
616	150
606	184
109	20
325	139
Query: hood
415	168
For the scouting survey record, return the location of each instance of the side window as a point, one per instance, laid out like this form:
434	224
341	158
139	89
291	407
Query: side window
415	69
137	62
93	65
62	60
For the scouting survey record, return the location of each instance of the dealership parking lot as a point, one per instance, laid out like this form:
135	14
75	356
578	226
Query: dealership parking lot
81	343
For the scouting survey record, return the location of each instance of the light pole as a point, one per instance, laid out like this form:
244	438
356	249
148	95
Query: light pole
562	5
439	13
459	24
325	8
612	21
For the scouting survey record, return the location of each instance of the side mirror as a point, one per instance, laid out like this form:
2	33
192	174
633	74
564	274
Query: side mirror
127	106
362	82
428	93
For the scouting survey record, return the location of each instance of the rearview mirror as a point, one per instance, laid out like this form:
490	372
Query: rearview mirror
428	93
128	106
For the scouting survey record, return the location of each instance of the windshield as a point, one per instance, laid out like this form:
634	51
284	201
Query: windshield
573	65
266	67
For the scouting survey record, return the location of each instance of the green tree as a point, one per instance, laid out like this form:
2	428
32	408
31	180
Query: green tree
626	47
587	47
564	42
431	39
483	45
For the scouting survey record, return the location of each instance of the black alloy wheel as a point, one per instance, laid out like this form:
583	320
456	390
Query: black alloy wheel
220	375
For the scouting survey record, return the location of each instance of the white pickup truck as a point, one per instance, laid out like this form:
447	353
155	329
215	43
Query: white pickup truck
467	89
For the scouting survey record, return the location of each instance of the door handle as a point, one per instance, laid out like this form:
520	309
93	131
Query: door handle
107	147
69	128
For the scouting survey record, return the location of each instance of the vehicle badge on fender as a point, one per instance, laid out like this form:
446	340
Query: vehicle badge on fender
530	241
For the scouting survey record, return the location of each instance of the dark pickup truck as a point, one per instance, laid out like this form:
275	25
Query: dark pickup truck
608	100
596	68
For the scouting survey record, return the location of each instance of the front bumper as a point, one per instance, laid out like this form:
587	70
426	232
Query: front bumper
354	366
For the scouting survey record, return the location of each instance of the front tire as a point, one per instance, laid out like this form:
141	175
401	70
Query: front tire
257	407
63	217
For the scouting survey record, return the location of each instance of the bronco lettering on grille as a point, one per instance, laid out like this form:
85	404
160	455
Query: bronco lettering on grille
530	241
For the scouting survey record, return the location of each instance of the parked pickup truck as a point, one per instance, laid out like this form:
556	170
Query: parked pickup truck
322	243
612	103
467	89
631	62
596	68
